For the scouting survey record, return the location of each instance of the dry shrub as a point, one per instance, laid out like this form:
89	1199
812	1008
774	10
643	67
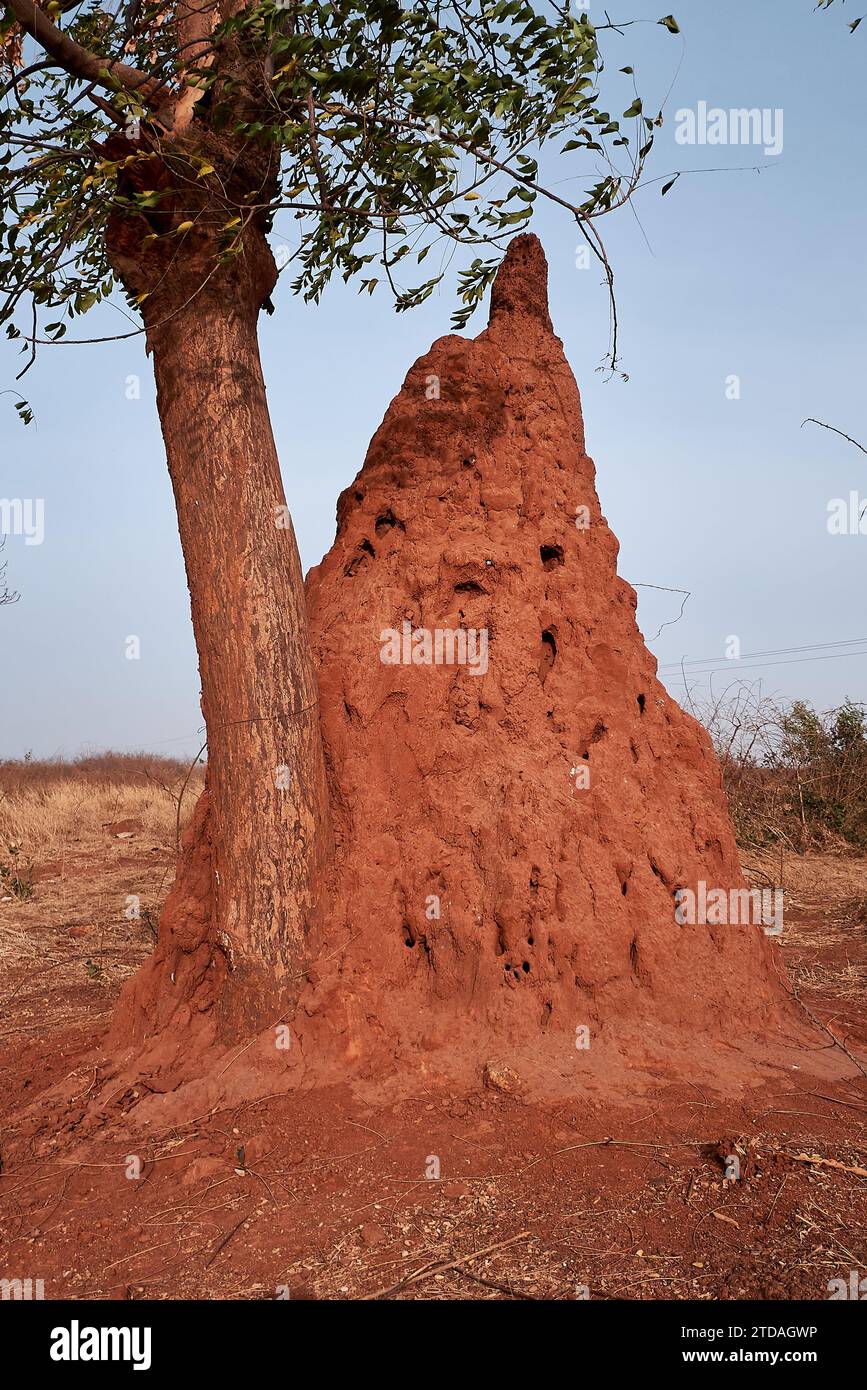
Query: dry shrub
23	774
791	774
45	806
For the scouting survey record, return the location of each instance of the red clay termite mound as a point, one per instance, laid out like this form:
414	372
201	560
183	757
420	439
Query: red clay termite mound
512	824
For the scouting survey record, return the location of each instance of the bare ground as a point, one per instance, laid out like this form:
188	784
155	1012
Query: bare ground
319	1195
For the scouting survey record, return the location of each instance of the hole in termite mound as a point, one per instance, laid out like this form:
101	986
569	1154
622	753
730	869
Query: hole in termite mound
599	731
659	873
624	874
642	701
551	555
411	940
366	549
386	521
470	586
548	654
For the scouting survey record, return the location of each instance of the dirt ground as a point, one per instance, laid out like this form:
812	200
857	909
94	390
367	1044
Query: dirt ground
318	1195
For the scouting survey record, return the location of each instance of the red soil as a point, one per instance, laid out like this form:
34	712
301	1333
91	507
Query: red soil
331	1195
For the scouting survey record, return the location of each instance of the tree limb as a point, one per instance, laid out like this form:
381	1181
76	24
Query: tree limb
80	62
811	420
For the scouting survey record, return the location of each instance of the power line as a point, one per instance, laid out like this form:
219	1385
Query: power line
763	665
777	651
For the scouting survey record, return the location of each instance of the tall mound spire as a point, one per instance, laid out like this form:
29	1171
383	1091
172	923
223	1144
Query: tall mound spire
521	286
517	799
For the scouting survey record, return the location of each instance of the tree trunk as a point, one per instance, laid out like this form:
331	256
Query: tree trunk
259	841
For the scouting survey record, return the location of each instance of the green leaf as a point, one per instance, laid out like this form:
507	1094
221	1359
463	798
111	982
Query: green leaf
412	104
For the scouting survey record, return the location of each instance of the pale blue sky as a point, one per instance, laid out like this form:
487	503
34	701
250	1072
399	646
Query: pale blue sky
758	275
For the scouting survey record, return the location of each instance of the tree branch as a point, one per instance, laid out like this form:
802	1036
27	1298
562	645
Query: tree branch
80	62
811	420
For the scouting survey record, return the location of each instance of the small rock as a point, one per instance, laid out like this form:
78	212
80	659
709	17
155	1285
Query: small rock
371	1234
257	1148
201	1169
498	1077
124	829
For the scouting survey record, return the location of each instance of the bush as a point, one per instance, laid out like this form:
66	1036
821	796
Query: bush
791	774
16	876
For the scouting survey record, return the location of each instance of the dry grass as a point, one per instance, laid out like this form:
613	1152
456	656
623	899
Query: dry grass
842	981
825	920
814	880
93	836
46	807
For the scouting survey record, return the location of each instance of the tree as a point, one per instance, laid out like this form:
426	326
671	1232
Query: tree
827	754
152	149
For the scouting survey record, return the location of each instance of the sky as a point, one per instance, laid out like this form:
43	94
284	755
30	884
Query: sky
741	297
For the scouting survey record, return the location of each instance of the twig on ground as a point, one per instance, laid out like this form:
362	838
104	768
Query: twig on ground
226	1238
438	1266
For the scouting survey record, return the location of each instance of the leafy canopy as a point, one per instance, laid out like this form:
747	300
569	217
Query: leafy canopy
385	132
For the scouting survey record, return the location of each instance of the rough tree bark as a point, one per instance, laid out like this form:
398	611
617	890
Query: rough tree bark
241	919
